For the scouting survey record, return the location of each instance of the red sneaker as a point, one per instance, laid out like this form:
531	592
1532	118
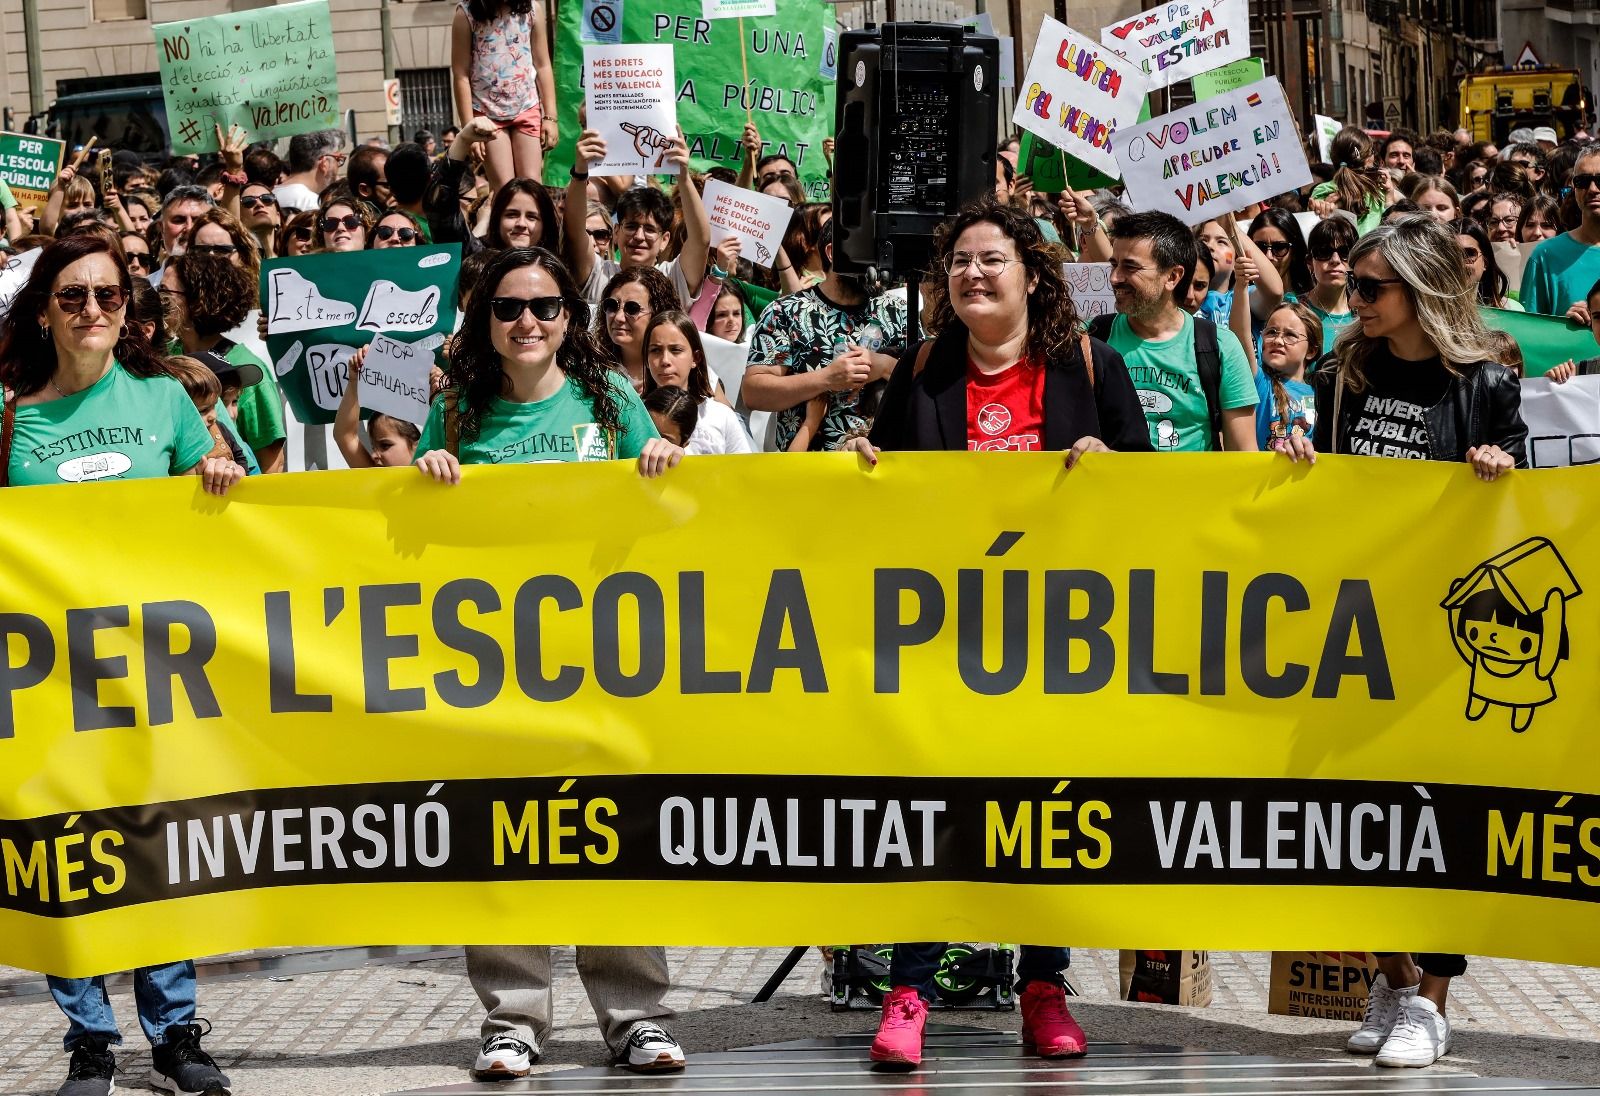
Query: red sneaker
899	1041
1048	1025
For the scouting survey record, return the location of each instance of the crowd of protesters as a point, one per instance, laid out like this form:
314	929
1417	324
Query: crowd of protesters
1341	319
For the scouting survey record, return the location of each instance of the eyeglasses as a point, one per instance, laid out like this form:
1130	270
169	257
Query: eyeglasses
1325	255
510	309
642	228
350	221
142	259
250	201
631	309
406	235
775	176
1471	254
991	264
1585	181
1282	335
1278	249
1368	289
301	233
212	249
600	235
73	298
1504	222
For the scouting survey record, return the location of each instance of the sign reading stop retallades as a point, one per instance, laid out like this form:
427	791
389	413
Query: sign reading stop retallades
29	165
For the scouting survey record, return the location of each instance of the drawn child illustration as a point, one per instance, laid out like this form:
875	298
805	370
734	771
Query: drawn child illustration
1508	622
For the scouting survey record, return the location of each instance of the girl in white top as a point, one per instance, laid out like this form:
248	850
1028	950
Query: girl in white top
674	357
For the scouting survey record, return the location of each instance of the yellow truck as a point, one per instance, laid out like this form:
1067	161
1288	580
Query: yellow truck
1495	103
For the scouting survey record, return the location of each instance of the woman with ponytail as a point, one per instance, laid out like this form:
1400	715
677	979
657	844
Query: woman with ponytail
1356	186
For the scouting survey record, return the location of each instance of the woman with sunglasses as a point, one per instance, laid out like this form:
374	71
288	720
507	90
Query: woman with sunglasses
1561	269
217	233
1328	259
136	250
261	217
529	384
1417	380
631	298
1276	233
395	228
343	225
1482	270
297	236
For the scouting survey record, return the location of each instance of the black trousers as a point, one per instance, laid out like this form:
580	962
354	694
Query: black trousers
1435	963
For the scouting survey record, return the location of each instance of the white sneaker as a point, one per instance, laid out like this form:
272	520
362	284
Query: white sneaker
650	1049
1420	1038
1383	1009
503	1057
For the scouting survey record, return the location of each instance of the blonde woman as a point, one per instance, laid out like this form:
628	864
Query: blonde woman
1415	378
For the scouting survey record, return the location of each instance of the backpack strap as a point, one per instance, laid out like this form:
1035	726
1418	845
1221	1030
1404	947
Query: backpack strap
9	425
1208	361
1088	357
923	353
452	424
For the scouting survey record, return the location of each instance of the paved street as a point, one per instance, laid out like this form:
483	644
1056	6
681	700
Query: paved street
402	1023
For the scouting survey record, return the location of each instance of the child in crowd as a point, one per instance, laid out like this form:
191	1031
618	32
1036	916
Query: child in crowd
674	356
500	69
1287	408
674	411
394	441
206	381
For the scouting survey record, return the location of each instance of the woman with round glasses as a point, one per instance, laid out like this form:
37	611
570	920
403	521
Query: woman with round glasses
530	384
395	228
631	298
343	225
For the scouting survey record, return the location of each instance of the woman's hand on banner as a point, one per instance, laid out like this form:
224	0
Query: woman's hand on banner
862	447
441	465
217	474
1564	372
1082	446
1297	447
657	456
1579	313
1490	462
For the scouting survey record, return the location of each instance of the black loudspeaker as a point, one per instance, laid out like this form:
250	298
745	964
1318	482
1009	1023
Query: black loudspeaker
916	128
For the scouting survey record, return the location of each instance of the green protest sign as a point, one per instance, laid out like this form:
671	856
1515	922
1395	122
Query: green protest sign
1043	163
29	165
315	321
270	70
1546	341
1246	70
788	96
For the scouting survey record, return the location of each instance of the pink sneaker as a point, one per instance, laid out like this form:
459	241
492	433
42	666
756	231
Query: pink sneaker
899	1040
1048	1025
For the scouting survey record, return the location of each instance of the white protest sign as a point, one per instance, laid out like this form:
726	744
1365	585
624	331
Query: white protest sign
14	273
294	303
1090	286
394	379
1076	94
759	220
1563	421
1327	130
1177	40
1214	157
629	91
737	9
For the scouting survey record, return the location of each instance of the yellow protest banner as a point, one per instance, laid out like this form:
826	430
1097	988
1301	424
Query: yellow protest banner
1217	700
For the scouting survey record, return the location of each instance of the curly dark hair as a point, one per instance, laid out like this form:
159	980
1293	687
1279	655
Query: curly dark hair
28	357
549	223
657	287
477	376
217	294
1053	321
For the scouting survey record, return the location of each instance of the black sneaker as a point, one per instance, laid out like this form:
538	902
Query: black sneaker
180	1067
92	1071
650	1049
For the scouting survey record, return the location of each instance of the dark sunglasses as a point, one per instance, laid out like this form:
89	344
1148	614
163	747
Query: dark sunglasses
509	309
252	200
1277	250
1471	254
349	221
600	235
73	298
1585	181
406	235
142	259
631	309
1367	289
301	233
212	249
775	176
1323	255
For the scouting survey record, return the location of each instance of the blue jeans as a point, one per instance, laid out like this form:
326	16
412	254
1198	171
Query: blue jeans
164	996
915	965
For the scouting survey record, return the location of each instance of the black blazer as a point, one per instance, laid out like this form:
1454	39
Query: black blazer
928	411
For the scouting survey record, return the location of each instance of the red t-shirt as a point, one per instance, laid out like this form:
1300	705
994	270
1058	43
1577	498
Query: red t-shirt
1005	410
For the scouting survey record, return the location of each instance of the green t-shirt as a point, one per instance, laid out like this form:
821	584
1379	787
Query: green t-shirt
560	428
260	405
1365	221
8	200
1169	386
120	427
1559	272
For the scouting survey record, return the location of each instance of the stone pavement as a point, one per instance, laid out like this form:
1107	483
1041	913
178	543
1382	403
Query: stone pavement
403	1023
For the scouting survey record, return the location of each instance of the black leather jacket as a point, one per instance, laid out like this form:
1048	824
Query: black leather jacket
1482	406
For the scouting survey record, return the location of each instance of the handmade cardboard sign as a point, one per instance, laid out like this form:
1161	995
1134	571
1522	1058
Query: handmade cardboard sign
1076	93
